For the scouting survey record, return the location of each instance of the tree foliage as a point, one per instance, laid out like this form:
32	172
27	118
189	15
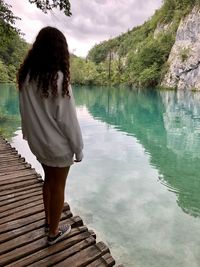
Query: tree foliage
7	19
6	15
12	52
12	46
46	5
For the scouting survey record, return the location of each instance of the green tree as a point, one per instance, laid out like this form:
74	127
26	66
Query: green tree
7	18
3	73
46	5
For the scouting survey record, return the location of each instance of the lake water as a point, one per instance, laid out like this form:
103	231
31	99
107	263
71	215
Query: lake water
138	186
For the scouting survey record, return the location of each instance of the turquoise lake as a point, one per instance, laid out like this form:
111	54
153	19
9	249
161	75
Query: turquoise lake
138	186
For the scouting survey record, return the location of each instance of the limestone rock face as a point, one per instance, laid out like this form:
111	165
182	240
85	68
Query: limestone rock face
184	59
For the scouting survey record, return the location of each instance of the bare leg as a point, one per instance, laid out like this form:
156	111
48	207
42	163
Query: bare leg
46	199
53	195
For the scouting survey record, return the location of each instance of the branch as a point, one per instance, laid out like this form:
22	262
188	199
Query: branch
46	5
7	18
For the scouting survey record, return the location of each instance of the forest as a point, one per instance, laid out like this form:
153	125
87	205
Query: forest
136	58
12	45
139	56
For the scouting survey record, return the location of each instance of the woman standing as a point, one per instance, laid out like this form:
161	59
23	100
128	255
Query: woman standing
49	120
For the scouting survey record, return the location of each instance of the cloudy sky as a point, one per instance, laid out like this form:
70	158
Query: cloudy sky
92	21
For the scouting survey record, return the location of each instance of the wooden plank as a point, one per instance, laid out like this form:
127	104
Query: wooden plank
20	190
35	216
22	213
5	145
18	184
26	239
17	210
75	221
85	256
19	178
5	200
7	152
10	158
18	203
20	241
13	163
9	168
24	243
15	174
77	243
105	261
41	250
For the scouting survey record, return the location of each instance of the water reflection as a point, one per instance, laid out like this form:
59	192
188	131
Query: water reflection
182	122
167	124
135	141
9	112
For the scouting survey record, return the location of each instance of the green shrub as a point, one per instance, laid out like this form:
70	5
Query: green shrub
3	73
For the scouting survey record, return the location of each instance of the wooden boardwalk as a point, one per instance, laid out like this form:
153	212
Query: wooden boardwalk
22	235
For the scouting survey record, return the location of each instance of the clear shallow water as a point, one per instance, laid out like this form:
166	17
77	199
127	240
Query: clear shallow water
138	186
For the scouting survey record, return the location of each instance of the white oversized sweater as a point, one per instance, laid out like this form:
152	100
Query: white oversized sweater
50	125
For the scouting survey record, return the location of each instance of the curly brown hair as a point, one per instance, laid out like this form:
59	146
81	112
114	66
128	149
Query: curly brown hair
48	55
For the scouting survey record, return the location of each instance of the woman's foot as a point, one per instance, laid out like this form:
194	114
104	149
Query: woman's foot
63	231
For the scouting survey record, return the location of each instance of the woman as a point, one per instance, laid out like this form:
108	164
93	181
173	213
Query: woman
49	120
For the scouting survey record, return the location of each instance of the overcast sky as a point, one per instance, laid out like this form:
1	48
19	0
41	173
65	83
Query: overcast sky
92	21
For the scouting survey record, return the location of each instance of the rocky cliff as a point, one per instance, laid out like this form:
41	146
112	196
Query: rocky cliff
184	59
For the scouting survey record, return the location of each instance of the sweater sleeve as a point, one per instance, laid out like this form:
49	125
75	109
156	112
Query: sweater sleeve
67	120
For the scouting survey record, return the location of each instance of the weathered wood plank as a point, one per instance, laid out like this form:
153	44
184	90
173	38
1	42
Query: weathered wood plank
16	173
13	162
35	216
6	152
16	179
8	169
42	250
23	243
12	233
4	145
10	158
17	210
78	243
16	197
17	242
22	213
85	256
18	184
20	190
105	261
35	207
